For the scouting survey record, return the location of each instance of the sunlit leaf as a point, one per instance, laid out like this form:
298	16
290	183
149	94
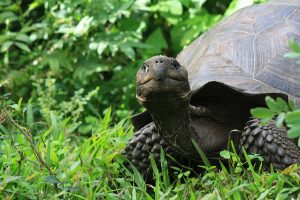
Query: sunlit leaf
280	119
294	132
225	154
5	46
262	113
236	5
101	46
128	50
157	42
278	106
293	118
22	46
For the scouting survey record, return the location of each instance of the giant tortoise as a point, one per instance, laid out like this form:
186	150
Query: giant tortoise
208	90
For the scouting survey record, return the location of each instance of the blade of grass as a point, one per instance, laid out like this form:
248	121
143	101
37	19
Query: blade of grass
48	154
201	153
254	174
156	176
165	172
54	125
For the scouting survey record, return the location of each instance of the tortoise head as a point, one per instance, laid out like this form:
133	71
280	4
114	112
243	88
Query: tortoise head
162	81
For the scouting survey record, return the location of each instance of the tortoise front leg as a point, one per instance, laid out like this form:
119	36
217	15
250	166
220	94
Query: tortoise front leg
146	141
270	142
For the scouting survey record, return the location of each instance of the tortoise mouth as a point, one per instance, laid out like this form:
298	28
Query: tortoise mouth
183	96
165	90
169	78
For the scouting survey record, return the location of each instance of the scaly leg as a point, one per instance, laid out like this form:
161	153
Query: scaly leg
271	142
146	141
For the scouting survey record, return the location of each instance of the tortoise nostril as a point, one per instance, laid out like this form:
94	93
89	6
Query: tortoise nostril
161	61
156	61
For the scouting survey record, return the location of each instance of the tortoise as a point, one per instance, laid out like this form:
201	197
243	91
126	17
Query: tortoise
209	89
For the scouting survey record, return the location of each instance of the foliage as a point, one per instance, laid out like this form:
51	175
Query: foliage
56	51
58	165
282	112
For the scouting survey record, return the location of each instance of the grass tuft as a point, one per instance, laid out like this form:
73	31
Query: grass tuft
56	164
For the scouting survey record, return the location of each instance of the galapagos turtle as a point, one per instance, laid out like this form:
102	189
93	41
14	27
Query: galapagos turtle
208	90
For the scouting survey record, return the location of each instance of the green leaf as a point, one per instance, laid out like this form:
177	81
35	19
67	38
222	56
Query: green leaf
293	118
292	105
279	120
53	63
253	172
176	7
29	115
225	154
156	175
292	55
294	132
278	106
22	46
201	153
186	3
171	10
5	46
283	105
15	106
51	179
54	125
48	154
128	50
74	166
264	194
262	113
156	41
7	15
11	178
23	38
236	5
3	83
294	46
83	26
272	104
101	47
20	102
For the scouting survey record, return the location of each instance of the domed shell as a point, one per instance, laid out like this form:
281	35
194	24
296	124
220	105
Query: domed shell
246	51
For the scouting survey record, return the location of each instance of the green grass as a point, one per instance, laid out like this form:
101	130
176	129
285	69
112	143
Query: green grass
58	164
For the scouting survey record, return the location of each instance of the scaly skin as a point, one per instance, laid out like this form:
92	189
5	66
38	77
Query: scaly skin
271	142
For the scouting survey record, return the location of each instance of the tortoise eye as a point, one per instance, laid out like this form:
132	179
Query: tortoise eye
175	64
145	67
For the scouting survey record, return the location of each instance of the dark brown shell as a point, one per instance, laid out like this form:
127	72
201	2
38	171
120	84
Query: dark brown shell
246	51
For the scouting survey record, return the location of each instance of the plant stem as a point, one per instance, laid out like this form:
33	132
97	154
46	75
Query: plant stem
29	139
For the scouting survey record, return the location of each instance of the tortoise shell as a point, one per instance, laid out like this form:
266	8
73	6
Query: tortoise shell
246	51
243	55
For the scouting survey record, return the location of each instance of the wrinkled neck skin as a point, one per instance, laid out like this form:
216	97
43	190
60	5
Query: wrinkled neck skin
172	120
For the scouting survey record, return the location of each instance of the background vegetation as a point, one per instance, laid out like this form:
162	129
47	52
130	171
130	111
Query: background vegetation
67	71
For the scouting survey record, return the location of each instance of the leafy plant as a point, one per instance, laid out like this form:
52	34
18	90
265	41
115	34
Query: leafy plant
50	49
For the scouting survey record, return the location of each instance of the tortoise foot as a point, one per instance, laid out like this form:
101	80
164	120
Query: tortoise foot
145	141
270	142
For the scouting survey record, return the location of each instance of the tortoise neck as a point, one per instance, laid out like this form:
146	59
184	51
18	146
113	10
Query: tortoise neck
174	125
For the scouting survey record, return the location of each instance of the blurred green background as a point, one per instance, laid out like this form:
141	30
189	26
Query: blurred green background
76	58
